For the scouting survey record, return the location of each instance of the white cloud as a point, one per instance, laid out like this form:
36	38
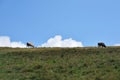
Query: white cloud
5	42
58	42
116	44
18	44
52	42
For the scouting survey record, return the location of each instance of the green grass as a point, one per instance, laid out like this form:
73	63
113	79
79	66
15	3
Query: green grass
60	63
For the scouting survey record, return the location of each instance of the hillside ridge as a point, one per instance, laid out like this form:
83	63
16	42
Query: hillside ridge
82	63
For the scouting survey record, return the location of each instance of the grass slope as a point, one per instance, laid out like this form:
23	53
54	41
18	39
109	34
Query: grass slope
60	64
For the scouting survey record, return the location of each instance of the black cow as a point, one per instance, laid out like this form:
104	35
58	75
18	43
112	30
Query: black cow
101	44
29	44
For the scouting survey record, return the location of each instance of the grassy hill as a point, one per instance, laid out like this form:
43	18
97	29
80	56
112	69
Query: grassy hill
60	63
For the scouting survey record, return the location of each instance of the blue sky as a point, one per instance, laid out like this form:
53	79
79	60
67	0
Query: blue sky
88	21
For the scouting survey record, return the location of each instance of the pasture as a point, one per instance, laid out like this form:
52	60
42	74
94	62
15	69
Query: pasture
87	63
